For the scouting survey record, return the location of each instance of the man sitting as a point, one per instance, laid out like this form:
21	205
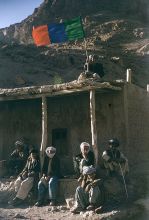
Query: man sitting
27	177
48	184
114	161
85	158
17	159
88	194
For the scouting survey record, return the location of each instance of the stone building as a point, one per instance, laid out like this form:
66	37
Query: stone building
64	115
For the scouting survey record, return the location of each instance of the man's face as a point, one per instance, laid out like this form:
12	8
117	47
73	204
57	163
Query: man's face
110	146
20	148
85	150
51	151
113	147
92	176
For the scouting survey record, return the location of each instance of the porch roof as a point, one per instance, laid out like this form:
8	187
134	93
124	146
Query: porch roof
58	89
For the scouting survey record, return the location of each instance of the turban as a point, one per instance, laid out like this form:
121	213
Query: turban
84	144
50	151
87	170
19	143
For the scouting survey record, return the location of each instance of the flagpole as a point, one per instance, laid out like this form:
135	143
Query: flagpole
86	47
85	43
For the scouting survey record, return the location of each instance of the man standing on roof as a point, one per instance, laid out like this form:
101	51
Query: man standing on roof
93	68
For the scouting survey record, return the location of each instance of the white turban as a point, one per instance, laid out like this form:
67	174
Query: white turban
83	144
50	151
88	170
19	143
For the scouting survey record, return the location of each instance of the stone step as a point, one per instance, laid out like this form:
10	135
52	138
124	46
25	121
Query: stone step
67	187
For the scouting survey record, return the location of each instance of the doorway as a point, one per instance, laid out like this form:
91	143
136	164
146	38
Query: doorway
60	141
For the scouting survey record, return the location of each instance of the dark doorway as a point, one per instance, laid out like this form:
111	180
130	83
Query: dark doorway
59	140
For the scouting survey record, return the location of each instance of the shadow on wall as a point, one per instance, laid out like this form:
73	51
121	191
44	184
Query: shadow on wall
143	204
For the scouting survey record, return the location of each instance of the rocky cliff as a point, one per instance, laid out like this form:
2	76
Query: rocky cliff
117	31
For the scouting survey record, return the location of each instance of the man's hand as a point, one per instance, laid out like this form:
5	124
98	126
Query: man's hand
31	174
88	187
20	175
23	175
47	178
80	179
78	159
96	182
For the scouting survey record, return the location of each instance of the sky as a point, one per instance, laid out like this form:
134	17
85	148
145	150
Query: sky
14	11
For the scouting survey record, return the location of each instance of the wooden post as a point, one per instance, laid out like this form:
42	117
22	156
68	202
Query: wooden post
44	129
87	67
93	126
128	75
147	88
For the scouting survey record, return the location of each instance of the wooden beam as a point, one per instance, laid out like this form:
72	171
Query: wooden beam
44	129
53	90
93	126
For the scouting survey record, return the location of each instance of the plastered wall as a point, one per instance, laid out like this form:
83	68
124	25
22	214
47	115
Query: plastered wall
21	118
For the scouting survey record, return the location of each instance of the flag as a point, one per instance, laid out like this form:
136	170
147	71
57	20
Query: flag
69	30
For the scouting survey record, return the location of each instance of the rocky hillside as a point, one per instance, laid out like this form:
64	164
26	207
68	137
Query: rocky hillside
115	30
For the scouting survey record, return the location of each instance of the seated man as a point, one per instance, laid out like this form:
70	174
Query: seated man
88	194
17	159
85	158
27	177
49	181
114	161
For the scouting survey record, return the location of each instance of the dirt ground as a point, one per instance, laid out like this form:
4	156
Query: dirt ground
29	211
45	213
26	211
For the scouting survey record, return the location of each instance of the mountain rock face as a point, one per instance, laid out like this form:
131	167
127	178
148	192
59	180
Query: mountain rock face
55	10
116	30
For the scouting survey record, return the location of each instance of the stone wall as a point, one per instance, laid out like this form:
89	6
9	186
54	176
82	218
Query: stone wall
138	118
122	114
138	144
72	112
20	118
110	118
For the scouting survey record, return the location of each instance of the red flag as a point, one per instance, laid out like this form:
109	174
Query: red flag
41	36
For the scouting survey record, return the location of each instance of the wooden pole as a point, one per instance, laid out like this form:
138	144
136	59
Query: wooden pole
147	88
128	75
86	63
44	129
93	126
85	43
